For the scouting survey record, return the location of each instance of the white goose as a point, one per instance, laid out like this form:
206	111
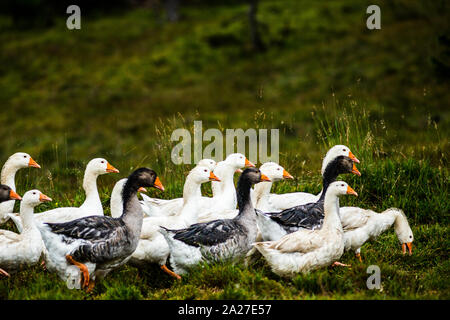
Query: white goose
14	163
288	200
154	207
152	247
91	205
260	194
224	197
17	250
362	225
306	250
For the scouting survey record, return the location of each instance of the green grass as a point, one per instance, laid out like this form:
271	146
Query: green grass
120	86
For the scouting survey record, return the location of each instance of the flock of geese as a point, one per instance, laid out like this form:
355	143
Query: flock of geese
294	232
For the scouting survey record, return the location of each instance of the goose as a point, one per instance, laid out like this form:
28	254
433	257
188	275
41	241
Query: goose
152	247
361	225
274	225
259	195
223	239
98	244
14	163
17	250
160	207
6	193
307	250
224	196
284	201
91	205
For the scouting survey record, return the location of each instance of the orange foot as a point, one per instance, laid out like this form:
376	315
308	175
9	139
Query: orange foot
339	264
83	269
3	272
90	286
170	272
358	255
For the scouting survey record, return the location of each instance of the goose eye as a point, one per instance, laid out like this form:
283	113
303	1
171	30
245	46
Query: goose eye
410	237
34	192
344	150
102	161
24	156
205	170
342	185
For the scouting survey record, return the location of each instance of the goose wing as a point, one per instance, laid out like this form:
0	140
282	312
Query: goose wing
8	237
309	216
303	241
209	233
88	228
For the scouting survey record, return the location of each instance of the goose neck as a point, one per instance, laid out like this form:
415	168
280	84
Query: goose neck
262	190
8	174
243	198
331	210
27	216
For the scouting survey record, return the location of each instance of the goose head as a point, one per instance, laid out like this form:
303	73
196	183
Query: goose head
402	229
6	193
340	188
340	165
33	198
143	177
274	171
21	160
202	174
336	151
99	166
209	163
253	175
238	161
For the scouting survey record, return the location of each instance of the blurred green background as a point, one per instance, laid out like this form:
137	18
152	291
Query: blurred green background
139	69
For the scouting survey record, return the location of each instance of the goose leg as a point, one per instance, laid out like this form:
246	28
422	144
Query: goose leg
3	272
90	286
82	267
339	264
170	272
358	254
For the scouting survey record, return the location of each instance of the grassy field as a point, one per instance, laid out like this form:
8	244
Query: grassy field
119	87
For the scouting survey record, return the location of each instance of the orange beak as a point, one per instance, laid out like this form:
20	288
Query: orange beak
238	171
248	163
44	198
356	171
286	175
213	177
158	184
110	168
409	245
352	156
264	178
142	189
351	191
14	196
33	163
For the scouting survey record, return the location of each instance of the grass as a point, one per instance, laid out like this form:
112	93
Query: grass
118	88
